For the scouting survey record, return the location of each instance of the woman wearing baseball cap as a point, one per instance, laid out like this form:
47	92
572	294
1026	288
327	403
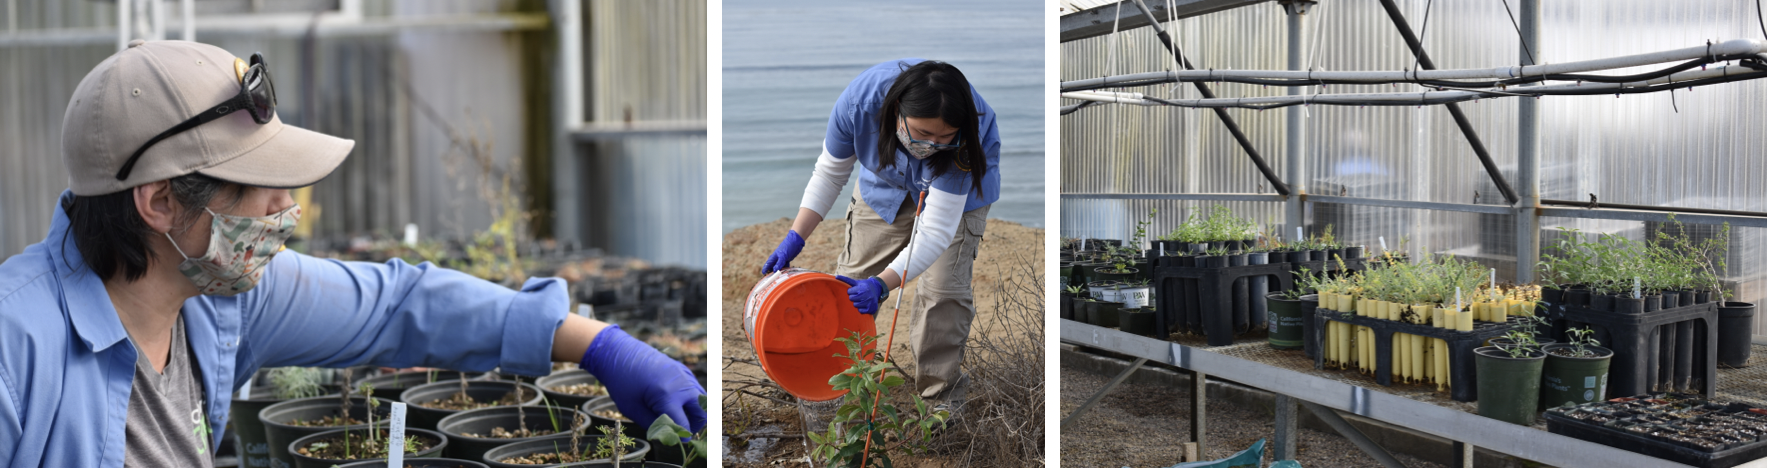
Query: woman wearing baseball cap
162	285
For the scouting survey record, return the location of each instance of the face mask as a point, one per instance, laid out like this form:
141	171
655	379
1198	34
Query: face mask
239	248
918	149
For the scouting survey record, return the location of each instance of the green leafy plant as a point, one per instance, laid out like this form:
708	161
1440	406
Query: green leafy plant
1521	341
1581	340
867	421
1075	290
665	431
613	444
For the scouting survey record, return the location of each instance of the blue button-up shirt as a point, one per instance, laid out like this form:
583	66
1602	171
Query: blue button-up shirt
66	364
853	131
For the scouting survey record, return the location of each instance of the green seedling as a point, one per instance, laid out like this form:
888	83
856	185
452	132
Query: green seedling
692	444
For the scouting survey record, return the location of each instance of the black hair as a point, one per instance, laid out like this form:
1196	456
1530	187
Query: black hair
111	235
934	89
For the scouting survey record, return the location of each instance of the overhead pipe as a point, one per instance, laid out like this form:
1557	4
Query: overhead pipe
1731	48
1661	209
1203	89
1473	140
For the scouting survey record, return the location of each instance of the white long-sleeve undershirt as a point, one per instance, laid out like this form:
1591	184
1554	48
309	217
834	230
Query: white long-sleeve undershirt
935	227
826	182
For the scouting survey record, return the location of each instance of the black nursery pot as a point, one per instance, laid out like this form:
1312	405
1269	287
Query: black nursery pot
561	379
1734	333
1063	304
1628	305
1104	314
1552	295
507	451
1316	255
438	444
418	463
482	421
1218	261
423	417
1653	303
1353	253
1576	296
278	433
1138	321
1602	302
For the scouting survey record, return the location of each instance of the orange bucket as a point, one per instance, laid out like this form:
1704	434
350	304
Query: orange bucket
792	318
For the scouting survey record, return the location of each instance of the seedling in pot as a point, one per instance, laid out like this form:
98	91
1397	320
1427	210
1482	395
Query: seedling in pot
1581	340
665	431
296	382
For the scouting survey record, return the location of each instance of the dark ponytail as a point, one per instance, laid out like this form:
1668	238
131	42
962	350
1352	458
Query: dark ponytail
934	89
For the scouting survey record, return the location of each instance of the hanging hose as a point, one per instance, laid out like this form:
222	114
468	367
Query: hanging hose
895	311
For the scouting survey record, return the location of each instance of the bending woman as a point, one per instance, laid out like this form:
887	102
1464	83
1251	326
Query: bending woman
911	126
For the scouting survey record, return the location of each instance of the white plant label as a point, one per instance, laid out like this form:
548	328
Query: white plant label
1298	236
1457	298
1636	288
410	235
1383	243
1494	280
396	436
245	392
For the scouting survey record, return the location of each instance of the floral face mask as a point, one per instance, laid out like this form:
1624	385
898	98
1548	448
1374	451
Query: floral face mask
921	149
239	248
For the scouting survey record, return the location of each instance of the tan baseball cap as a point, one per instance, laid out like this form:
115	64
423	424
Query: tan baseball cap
150	87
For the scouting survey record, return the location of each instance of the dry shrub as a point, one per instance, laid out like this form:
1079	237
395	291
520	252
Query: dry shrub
1003	422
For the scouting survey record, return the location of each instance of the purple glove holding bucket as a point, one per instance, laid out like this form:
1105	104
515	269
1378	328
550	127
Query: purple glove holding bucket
644	382
866	293
783	255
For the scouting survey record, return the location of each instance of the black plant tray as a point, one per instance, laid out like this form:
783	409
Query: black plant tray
1213	300
1461	345
1606	434
1673	349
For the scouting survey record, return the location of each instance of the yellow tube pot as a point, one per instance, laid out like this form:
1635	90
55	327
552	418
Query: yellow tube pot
1464	321
1501	311
1417	349
1346	302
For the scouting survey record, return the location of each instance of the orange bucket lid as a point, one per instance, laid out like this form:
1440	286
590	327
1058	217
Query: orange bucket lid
792	318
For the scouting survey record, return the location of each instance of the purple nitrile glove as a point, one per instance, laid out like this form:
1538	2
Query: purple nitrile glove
866	293
644	382
783	255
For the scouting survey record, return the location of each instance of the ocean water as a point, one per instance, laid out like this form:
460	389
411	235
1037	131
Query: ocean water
785	63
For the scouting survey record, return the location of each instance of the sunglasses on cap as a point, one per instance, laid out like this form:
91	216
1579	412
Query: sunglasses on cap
257	96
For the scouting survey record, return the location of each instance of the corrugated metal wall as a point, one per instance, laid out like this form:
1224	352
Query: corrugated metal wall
1633	149
380	90
651	198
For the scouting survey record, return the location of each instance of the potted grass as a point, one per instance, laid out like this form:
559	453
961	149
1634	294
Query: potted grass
1575	372
1509	379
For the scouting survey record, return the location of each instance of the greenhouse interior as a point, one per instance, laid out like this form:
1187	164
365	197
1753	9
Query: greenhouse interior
1503	233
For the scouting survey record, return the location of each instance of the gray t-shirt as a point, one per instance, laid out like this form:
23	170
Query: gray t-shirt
166	425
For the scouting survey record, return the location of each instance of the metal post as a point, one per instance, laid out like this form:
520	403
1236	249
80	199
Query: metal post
1528	157
1284	443
189	11
1356	437
1199	420
1100	395
125	21
1295	147
567	114
1463	455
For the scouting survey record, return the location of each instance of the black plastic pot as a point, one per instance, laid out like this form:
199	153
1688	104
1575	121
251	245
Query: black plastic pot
1139	321
481	421
1509	388
1734	332
278	433
1653	303
1310	342
1574	380
1316	255
1628	305
389	386
662	454
1215	261
531	447
1105	274
302	461
1104	314
1285	321
249	443
1602	302
563	378
1353	253
1576	296
1063	305
418	463
423	417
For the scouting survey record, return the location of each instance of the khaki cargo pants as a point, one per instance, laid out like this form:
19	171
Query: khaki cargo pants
941	323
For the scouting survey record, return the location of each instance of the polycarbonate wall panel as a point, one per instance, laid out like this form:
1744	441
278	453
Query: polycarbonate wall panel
1703	150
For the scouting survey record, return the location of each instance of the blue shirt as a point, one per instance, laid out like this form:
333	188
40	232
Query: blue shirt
853	131
66	364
